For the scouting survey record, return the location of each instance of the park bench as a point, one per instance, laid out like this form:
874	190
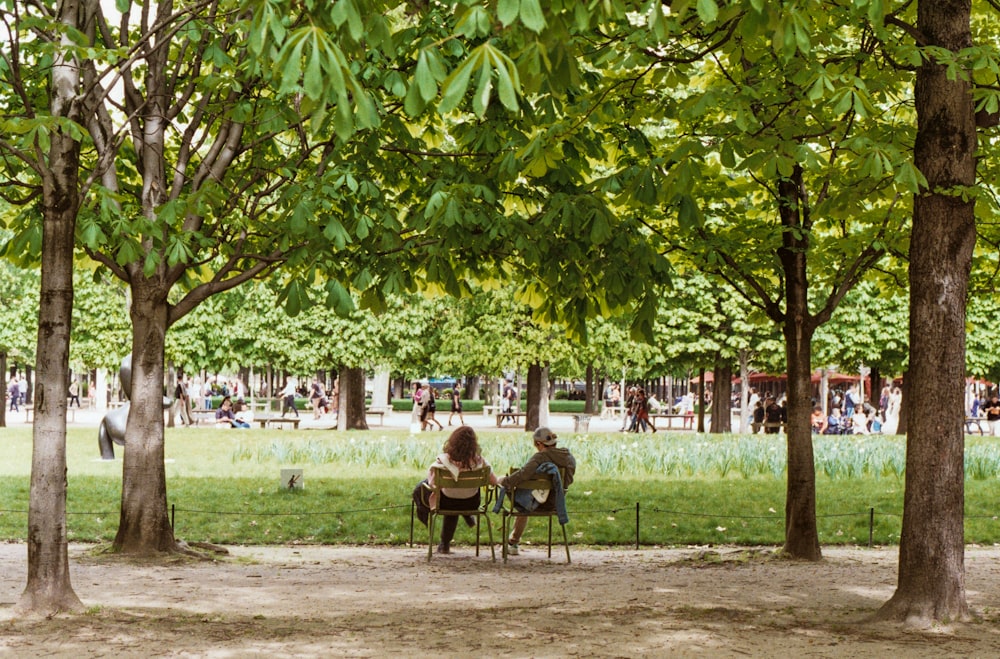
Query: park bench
687	421
517	416
203	415
766	425
379	413
29	412
278	421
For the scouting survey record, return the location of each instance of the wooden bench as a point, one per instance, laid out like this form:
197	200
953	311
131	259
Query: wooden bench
765	426
279	421
687	420
517	416
29	411
203	415
379	413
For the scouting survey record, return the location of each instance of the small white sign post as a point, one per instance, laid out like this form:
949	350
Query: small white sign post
291	479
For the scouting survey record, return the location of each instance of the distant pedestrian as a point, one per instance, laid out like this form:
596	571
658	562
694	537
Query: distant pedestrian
316	395
430	407
14	393
74	393
416	416
181	403
507	403
288	397
206	394
456	405
993	414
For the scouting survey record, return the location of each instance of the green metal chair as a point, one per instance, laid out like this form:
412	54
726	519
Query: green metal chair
540	482
476	478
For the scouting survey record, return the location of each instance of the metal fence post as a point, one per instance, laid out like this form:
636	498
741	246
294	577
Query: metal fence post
636	524
871	526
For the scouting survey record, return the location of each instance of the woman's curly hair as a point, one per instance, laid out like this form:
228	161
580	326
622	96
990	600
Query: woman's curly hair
463	447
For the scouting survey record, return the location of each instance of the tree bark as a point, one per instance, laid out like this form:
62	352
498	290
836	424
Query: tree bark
744	390
701	400
931	582
48	588
722	397
536	392
801	533
589	395
144	525
352	400
875	389
3	382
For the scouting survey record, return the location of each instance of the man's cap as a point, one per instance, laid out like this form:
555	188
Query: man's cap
545	436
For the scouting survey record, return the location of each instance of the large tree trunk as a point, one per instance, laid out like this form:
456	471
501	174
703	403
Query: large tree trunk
701	400
48	588
3	383
351	415
722	397
801	533
904	404
589	392
744	391
536	394
931	584
144	526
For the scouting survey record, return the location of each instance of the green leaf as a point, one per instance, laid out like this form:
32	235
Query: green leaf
532	16
688	213
481	100
313	80
455	85
708	11
343	119
424	78
339	299
507	11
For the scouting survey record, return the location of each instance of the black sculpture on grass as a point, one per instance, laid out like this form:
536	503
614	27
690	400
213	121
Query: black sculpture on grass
112	430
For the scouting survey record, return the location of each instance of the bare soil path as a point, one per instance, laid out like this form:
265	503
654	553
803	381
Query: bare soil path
310	601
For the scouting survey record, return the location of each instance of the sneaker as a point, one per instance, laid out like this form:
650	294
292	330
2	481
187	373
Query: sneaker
511	549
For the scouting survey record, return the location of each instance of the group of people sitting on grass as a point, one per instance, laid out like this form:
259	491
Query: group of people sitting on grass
232	416
862	421
461	453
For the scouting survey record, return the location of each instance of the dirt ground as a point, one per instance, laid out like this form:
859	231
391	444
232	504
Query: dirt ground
309	601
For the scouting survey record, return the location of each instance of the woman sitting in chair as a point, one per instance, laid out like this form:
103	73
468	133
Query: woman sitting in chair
460	453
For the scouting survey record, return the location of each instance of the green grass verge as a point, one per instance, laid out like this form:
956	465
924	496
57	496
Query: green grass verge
690	489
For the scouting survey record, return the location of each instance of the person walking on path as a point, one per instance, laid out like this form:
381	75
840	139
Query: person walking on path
288	397
430	407
456	406
14	391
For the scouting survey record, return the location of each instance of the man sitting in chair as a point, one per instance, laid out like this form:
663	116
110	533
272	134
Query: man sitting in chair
546	451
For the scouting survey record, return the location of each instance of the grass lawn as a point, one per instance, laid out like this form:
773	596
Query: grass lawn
225	487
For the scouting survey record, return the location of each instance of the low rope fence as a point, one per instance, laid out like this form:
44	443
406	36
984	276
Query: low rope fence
870	513
640	515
